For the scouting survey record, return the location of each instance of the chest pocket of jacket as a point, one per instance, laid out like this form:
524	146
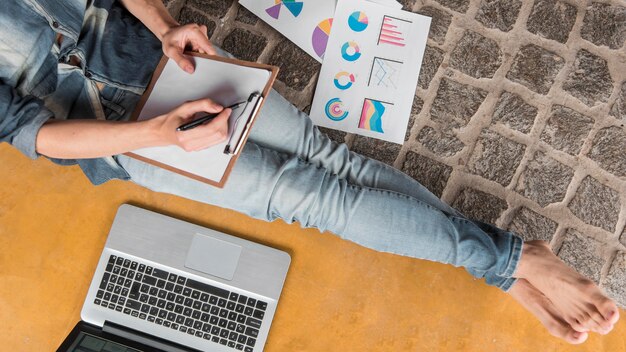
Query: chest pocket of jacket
118	104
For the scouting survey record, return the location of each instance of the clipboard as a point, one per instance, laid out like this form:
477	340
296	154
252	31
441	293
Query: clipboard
225	81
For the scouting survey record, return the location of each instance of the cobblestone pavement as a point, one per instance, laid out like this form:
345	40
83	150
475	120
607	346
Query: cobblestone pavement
518	119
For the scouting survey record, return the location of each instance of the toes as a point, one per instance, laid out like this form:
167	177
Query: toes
577	323
576	338
608	309
564	331
604	326
586	321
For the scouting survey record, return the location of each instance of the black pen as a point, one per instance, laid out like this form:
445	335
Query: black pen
205	119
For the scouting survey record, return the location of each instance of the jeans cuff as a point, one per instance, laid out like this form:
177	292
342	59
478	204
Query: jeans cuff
514	258
506	284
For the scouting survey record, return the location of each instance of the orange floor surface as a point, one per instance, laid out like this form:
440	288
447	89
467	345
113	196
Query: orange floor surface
337	297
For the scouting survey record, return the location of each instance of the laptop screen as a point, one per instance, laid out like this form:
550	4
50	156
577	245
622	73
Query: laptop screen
90	338
89	343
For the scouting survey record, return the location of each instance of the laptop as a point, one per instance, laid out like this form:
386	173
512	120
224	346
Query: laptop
163	284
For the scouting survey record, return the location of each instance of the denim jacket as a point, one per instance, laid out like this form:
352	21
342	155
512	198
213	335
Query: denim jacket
38	83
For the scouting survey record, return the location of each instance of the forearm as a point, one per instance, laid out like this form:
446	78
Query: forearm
81	139
152	14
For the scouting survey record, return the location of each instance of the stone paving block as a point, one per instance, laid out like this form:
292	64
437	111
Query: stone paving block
512	111
605	24
380	150
479	205
619	107
443	143
336	136
467	100
188	15
552	19
430	64
496	158
609	150
583	254
296	66
566	129
438	25
407	5
244	44
417	106
476	56
535	68
532	226
615	281
544	180
245	16
215	8
430	173
590	81
456	5
596	204
500	14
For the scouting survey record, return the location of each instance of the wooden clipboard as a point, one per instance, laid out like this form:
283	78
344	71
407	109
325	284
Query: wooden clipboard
219	181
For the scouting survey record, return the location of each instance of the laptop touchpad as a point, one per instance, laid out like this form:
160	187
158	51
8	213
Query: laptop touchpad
213	256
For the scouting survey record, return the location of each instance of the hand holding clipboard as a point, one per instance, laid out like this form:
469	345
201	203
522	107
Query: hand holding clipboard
222	80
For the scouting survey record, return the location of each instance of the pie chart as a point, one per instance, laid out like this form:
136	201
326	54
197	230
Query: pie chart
295	7
358	21
320	36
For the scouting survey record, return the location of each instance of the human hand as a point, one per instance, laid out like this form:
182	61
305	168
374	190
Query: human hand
189	36
198	138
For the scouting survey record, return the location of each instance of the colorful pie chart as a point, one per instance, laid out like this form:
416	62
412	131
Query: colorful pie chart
295	7
344	80
335	110
358	21
320	36
350	51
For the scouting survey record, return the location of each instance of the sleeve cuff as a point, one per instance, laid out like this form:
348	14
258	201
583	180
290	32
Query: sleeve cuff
25	141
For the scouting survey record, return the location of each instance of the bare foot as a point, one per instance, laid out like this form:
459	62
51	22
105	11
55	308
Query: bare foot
540	306
578	300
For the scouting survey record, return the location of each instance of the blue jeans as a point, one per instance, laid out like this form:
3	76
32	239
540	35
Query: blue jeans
290	170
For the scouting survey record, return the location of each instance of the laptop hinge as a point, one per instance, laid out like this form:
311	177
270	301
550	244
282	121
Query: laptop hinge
145	339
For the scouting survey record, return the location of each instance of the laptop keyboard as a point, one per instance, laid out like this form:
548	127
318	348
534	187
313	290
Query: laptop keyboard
181	304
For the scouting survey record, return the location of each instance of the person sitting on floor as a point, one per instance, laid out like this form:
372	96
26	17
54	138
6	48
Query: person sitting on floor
72	72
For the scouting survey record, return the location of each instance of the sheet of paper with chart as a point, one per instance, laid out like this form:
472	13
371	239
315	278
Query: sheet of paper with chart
307	23
371	66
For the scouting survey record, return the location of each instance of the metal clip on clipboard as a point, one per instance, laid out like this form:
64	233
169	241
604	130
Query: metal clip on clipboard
241	127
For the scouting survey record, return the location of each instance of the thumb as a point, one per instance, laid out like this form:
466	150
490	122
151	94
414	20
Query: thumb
183	61
222	118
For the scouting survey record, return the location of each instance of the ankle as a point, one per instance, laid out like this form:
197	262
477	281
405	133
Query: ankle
532	252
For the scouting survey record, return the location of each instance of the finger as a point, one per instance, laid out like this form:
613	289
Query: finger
181	60
202	41
218	126
205	142
223	116
214	130
188	109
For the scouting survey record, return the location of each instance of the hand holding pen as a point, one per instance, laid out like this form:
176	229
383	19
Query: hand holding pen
206	118
164	127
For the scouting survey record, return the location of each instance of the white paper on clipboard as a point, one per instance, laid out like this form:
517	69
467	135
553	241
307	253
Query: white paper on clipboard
223	82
